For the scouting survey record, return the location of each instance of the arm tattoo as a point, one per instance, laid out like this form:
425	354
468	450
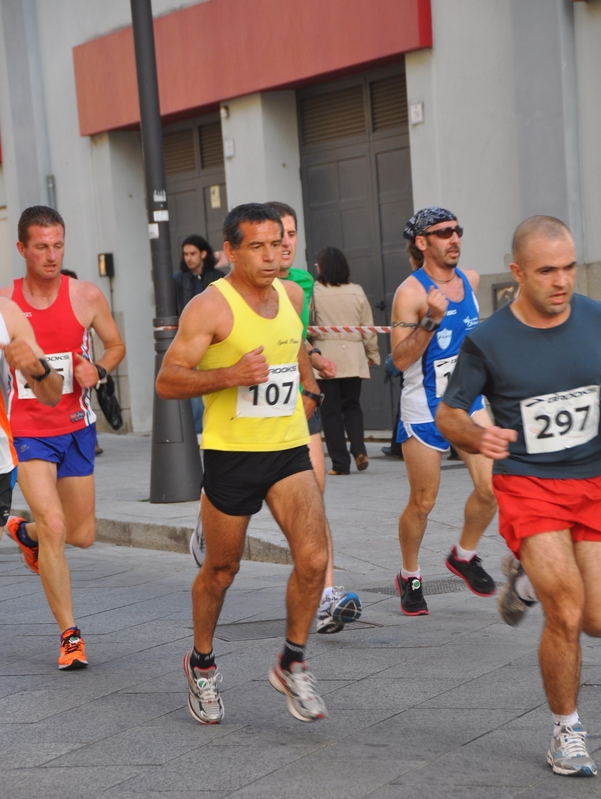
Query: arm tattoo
405	324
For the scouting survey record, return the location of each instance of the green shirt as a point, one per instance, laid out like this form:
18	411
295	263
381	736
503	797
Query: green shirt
303	279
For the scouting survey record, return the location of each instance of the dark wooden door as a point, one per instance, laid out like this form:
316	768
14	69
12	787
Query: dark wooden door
356	173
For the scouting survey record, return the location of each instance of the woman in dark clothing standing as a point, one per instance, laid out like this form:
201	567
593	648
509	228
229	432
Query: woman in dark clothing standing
197	270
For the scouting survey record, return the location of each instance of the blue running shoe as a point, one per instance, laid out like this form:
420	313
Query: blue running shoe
337	609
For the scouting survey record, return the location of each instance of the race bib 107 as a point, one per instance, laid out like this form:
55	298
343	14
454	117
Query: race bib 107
276	397
62	362
567	419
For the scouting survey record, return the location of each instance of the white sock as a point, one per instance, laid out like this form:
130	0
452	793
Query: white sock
407	575
464	554
524	588
327	593
573	720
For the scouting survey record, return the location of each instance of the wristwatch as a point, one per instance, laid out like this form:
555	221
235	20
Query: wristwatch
102	374
317	398
429	324
314	350
47	370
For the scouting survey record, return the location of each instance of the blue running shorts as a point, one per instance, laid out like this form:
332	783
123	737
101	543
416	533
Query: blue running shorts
73	453
427	433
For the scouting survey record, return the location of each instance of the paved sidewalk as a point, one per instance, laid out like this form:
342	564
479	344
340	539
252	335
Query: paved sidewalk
448	705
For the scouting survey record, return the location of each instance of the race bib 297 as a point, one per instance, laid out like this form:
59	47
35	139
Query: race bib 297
563	420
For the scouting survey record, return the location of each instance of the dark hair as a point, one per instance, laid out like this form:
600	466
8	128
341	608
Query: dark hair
40	215
283	210
333	267
202	245
249	212
416	256
69	273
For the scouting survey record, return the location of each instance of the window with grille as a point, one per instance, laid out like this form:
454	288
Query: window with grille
389	103
178	149
211	145
336	115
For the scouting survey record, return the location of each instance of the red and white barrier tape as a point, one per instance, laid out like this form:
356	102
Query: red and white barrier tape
331	329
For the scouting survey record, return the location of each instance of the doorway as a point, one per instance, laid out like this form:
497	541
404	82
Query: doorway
195	172
356	175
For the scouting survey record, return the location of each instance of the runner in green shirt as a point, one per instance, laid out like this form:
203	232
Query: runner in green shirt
337	607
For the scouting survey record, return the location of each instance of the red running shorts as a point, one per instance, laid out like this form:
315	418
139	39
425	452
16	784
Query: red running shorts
532	505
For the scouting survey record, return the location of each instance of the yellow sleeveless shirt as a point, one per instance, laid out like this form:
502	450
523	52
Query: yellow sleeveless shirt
267	417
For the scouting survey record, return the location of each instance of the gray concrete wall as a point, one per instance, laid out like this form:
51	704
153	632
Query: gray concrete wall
464	154
266	163
99	184
587	19
545	90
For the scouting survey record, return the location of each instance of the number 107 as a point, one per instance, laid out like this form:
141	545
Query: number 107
272	393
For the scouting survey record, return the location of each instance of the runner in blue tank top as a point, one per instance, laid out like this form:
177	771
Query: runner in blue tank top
425	380
433	311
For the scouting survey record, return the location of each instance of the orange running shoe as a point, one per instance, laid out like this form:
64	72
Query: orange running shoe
73	653
29	554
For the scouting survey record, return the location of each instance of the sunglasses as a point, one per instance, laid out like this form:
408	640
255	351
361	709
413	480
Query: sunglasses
444	232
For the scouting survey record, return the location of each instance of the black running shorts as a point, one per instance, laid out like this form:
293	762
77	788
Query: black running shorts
238	482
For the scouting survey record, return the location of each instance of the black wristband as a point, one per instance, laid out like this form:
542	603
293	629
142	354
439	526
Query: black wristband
102	373
317	398
312	351
47	370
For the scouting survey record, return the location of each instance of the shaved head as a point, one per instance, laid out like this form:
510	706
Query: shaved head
537	227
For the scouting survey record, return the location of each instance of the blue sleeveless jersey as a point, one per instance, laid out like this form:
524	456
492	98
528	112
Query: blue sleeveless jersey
425	381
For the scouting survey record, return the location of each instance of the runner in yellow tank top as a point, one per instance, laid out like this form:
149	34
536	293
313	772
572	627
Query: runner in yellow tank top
267	416
245	336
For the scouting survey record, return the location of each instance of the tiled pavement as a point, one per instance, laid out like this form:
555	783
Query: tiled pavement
448	705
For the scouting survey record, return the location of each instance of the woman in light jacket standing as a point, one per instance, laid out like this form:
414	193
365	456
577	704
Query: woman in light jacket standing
339	302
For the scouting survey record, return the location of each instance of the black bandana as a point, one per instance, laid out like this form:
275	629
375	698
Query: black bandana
424	219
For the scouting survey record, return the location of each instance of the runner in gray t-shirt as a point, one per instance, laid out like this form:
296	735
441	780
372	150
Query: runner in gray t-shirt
538	362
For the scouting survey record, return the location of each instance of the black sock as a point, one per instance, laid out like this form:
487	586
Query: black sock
199	660
292	653
24	538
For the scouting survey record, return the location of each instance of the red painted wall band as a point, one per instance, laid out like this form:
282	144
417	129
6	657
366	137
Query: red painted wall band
222	49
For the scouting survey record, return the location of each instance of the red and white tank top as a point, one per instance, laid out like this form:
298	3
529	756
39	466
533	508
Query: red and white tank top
8	456
61	336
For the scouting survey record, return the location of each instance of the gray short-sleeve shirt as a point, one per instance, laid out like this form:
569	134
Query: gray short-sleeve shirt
544	383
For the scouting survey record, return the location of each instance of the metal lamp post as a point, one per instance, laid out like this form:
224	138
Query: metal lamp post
176	470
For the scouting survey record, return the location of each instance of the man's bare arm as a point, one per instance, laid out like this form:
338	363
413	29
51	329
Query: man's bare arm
307	379
409	341
459	428
24	353
179	378
107	331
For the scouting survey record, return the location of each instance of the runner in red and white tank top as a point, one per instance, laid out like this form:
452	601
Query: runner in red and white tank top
55	447
60	334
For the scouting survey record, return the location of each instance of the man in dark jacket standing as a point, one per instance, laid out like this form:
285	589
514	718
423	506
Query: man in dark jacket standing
197	270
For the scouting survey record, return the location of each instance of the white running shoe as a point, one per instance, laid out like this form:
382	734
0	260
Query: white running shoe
337	609
298	685
568	754
512	608
204	703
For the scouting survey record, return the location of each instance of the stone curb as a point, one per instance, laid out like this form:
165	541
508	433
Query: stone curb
170	538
